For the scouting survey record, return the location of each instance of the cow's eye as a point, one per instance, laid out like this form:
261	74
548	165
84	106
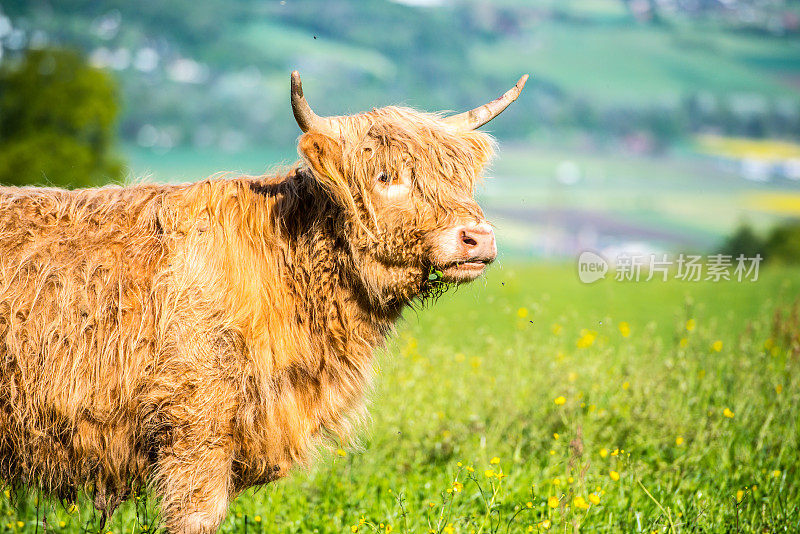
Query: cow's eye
384	178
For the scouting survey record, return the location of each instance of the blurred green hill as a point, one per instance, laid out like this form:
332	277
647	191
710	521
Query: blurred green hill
214	74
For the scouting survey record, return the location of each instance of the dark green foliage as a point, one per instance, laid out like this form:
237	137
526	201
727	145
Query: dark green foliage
56	121
782	244
743	241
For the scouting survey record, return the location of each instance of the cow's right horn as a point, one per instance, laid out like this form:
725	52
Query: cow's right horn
305	116
475	118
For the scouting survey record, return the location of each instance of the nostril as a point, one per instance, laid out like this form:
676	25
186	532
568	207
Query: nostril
468	240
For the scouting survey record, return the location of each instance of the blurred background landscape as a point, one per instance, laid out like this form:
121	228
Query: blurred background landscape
647	125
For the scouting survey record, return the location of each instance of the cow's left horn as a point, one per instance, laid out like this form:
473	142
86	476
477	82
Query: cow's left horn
477	117
305	116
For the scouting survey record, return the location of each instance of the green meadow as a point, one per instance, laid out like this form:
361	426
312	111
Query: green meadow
530	402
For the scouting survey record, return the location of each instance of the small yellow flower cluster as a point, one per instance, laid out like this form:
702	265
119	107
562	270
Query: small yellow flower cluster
728	413
522	313
716	346
580	502
560	400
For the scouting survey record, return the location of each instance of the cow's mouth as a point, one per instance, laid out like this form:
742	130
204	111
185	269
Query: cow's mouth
464	271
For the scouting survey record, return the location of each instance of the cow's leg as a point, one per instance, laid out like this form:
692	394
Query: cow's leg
194	478
195	459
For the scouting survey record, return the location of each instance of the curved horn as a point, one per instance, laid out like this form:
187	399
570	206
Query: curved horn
477	117
305	116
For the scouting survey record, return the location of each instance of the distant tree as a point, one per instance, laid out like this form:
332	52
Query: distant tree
783	243
56	121
743	241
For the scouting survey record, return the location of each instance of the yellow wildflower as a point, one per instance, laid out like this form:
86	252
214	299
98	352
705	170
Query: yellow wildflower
457	486
341	452
594	498
739	496
586	340
544	525
728	413
626	385
679	441
603	452
552	502
691	324
389	528
449	529
779	389
62	524
683	342
494	461
716	346
555	435
570	480
257	519
354	528
776	473
20	524
522	313
488	473
624	329
529	504
556	481
552	452
560	400
614	475
580	502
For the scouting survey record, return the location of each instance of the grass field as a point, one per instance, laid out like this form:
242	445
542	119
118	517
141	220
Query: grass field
530	402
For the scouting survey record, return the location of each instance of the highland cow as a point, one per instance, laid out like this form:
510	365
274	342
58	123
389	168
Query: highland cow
200	339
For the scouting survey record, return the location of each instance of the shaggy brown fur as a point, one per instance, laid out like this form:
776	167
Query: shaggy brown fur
203	337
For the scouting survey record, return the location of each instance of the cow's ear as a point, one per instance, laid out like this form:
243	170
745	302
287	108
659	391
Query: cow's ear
324	156
482	149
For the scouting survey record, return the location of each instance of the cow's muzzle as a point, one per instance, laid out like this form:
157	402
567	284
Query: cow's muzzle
472	247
